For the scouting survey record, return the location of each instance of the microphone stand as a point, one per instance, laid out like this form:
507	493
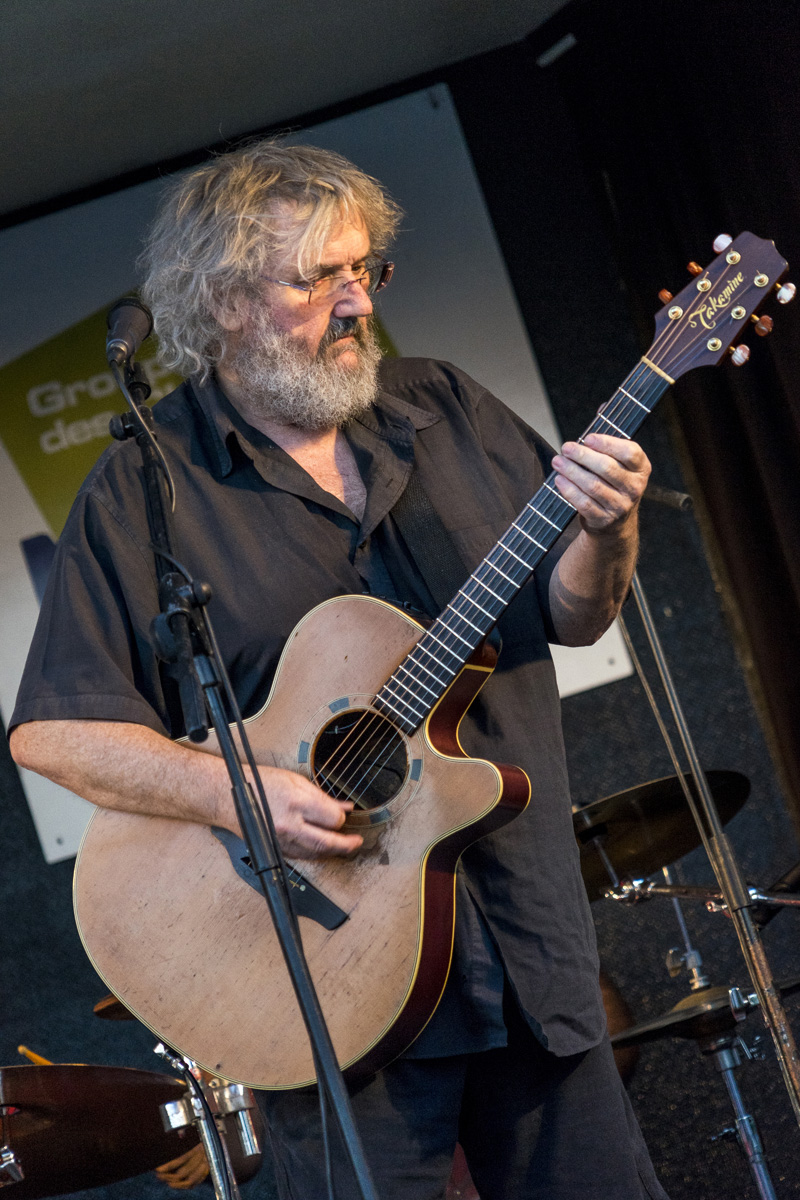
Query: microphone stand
183	635
732	887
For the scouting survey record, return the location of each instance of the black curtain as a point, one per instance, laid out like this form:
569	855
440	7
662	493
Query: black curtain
659	126
688	122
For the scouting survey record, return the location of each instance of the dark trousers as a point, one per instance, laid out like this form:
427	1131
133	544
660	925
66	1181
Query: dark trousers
533	1127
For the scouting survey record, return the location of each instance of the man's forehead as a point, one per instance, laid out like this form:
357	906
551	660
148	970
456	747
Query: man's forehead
348	243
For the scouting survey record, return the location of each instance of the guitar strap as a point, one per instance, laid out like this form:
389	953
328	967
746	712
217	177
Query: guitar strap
430	544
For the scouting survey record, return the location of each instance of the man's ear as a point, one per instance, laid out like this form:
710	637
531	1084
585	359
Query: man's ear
232	312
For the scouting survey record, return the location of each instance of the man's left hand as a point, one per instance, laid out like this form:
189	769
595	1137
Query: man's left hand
603	478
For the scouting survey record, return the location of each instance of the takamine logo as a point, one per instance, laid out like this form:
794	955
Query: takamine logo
711	307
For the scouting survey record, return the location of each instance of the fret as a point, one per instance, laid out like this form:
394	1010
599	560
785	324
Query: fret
402	699
383	700
633	398
529	536
541	514
558	495
418	682
621	432
486	588
508	550
422	649
478	606
493	567
439	642
449	630
461	616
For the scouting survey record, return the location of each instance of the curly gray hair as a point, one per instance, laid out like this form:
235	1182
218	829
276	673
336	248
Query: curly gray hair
220	227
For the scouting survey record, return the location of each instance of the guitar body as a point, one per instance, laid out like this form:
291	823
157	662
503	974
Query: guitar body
188	945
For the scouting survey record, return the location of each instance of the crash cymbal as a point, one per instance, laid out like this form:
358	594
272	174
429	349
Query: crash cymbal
647	827
703	1014
73	1127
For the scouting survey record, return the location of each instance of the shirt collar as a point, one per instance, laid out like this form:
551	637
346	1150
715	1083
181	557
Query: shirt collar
390	416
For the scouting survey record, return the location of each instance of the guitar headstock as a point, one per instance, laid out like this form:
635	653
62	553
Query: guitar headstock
697	327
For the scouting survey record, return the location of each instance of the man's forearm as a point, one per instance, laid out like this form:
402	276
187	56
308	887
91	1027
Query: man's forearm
119	765
130	767
590	582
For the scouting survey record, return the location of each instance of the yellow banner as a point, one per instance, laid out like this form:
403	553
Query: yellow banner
55	405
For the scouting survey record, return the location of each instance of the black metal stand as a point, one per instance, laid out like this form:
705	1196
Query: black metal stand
184	637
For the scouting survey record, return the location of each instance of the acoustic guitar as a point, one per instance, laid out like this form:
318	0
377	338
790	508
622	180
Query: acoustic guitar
365	702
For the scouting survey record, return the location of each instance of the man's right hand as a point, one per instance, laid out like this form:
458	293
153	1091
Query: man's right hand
308	821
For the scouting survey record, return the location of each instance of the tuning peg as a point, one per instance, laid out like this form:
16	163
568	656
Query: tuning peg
739	354
721	242
763	324
664	296
694	268
786	292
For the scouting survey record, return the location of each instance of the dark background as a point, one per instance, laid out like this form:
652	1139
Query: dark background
604	174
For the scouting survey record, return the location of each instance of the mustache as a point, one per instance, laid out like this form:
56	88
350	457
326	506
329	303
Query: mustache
340	327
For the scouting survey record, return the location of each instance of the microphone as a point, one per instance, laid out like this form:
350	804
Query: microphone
129	323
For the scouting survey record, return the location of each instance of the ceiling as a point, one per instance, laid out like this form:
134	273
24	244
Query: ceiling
91	89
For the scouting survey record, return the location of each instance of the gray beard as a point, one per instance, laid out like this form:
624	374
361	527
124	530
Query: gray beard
282	381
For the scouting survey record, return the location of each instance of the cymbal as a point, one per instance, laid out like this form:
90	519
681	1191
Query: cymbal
648	827
703	1014
74	1127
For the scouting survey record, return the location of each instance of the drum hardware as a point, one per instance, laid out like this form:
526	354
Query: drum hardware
66	1127
10	1168
727	872
204	1108
633	891
637	832
712	1018
233	1106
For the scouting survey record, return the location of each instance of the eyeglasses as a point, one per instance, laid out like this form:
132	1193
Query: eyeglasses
374	275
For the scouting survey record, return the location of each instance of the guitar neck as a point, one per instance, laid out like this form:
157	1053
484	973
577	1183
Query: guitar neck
425	674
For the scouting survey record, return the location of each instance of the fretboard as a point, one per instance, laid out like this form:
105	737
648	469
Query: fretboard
424	675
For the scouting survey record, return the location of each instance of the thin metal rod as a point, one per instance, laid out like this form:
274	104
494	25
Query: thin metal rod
746	1129
726	870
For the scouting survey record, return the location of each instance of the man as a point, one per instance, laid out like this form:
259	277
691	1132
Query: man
290	445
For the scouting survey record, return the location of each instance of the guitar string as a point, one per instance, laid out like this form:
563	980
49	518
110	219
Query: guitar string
366	725
377	725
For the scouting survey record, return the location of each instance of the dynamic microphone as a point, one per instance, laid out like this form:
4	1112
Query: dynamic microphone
129	323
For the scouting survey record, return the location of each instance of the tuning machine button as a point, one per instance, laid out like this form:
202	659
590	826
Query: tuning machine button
739	354
763	324
786	292
694	268
721	242
664	296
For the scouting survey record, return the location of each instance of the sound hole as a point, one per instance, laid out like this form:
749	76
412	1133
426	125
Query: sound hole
360	756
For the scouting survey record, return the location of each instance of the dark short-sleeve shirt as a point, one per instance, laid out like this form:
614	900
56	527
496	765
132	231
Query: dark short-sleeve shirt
272	544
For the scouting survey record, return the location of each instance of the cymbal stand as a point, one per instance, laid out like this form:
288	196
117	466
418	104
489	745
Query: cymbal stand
195	1110
725	1052
721	857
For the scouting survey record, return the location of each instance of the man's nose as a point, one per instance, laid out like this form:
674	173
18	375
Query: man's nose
354	301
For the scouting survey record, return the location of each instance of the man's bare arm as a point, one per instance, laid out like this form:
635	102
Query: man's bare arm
119	765
604	480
